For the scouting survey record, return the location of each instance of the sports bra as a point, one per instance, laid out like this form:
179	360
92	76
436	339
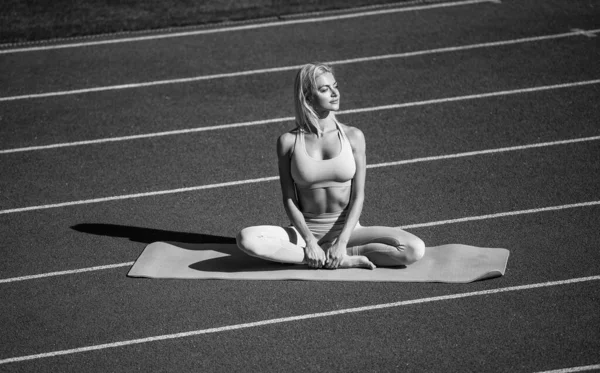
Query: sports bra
311	173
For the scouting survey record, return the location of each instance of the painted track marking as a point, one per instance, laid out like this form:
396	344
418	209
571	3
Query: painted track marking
502	214
411	226
574	369
296	318
589	34
575	32
65	272
272	178
287	119
249	27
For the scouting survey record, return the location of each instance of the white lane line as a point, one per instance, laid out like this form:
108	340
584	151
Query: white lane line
67	272
486	151
148	84
139	195
297	318
220	25
287	119
503	214
584	32
249	26
476	96
574	369
441	222
147	135
272	178
295	67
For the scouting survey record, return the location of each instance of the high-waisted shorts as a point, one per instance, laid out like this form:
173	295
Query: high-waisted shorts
326	226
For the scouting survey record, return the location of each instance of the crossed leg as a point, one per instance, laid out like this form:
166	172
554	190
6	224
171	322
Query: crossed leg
285	245
386	246
382	246
273	243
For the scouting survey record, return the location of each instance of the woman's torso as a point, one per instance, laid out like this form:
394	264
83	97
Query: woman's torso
323	169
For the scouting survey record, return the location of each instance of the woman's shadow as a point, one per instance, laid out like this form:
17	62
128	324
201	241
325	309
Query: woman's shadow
234	259
149	235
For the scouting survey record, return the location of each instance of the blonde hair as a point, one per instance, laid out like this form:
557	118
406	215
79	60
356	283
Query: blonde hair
305	83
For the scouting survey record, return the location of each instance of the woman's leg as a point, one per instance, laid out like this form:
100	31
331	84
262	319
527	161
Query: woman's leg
269	242
386	246
285	245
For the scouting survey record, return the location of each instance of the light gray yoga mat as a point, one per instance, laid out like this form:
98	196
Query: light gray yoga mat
448	263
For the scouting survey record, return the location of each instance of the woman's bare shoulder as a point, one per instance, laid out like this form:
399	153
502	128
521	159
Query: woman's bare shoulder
286	141
354	134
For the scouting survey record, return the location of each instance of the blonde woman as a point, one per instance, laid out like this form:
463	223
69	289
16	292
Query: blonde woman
322	167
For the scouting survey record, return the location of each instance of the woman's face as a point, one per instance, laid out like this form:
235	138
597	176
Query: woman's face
326	96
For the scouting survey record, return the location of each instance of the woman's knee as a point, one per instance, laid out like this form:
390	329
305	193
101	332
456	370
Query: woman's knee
260	240
410	245
247	241
415	250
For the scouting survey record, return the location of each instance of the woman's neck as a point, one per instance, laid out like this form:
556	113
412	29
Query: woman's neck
326	123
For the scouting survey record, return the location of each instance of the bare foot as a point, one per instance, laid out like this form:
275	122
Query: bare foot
356	261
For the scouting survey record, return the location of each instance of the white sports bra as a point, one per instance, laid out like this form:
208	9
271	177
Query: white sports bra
311	173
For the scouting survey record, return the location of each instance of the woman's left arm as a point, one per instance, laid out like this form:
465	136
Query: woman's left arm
338	249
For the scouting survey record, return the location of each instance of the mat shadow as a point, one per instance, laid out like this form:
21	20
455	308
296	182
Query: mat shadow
240	262
149	235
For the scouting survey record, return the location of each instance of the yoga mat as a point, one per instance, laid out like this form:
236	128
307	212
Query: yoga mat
448	263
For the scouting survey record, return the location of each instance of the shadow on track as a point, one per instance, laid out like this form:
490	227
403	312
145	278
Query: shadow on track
149	235
235	261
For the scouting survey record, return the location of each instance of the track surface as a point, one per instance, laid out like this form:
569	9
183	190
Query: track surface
522	330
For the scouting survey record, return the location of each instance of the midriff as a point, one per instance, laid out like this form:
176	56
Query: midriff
324	200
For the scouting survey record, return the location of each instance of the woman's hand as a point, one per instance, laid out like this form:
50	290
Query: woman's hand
315	256
335	254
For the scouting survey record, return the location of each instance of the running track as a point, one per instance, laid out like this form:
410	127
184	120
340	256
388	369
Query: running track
481	121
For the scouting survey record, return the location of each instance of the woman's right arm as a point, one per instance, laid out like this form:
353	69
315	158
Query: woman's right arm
315	256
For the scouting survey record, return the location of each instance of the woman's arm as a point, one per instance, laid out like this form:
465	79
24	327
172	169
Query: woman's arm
315	256
338	249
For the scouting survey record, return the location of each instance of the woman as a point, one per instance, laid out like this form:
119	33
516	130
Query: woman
322	166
